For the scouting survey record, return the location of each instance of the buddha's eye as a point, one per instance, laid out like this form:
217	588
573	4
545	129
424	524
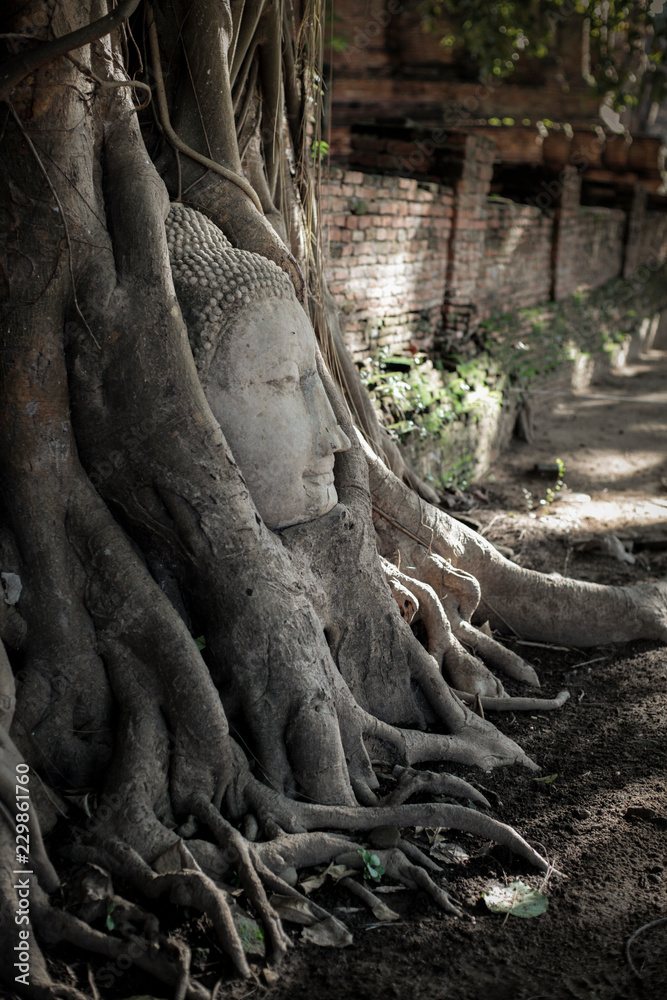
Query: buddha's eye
284	378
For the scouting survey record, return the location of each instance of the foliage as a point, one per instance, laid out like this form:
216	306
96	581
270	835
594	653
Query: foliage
373	870
550	494
628	39
435	407
319	150
533	342
416	397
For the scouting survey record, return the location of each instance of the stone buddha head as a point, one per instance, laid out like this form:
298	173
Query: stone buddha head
256	355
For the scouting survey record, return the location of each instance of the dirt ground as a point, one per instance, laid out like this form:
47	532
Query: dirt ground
602	818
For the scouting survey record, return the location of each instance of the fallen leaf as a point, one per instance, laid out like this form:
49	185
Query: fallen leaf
517	899
328	933
547	779
249	931
336	872
296	911
449	852
312	883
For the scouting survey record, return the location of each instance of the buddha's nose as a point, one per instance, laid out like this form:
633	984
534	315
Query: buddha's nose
330	436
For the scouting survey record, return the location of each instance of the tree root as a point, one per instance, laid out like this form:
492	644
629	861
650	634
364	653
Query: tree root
508	704
413	876
185	886
311	674
411	782
517	601
299	816
447	629
230	838
461	669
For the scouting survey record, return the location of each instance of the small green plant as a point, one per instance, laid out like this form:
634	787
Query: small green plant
553	491
416	397
319	150
373	870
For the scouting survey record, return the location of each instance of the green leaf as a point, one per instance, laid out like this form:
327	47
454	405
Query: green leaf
372	868
201	642
110	922
250	932
516	899
546	779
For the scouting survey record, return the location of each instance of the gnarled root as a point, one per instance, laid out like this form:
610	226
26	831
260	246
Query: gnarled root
298	817
516	600
460	668
446	600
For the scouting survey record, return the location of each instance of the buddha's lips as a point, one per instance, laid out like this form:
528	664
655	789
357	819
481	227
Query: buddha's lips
319	478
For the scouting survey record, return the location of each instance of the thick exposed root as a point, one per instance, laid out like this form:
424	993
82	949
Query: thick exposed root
185	887
493	652
411	782
299	816
461	669
518	601
444	614
163	958
13	794
312	674
229	838
516	704
414	876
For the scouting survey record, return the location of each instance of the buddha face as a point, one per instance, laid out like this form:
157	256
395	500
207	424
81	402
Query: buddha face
267	395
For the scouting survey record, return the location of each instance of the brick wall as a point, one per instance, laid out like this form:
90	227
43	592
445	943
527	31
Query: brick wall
646	241
388	67
419	262
387	254
599	245
516	269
